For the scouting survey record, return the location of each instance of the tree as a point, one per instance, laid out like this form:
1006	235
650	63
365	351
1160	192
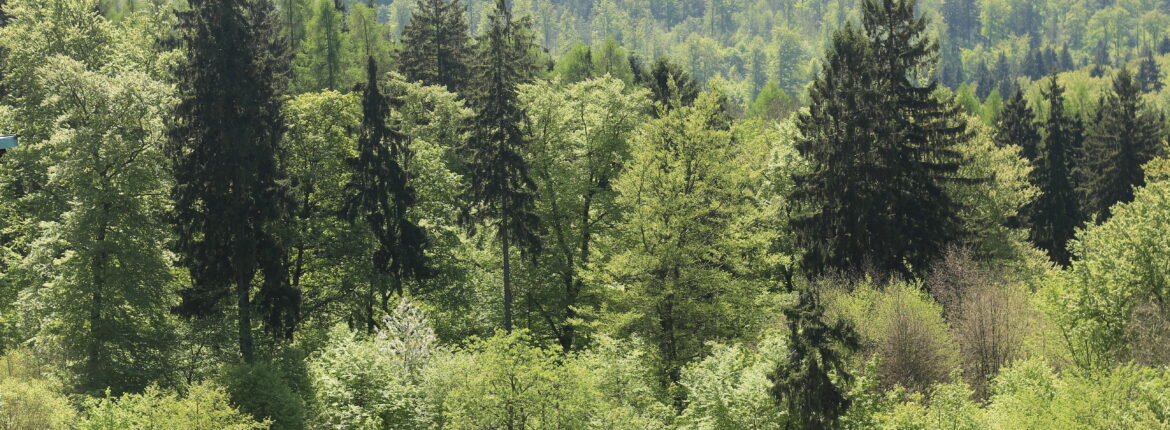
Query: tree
772	104
1149	78
382	199
882	150
689	252
806	383
576	65
1124	138
367	38
1056	213
227	192
108	283
501	192
669	84
579	146
318	65
435	46
610	59
1016	125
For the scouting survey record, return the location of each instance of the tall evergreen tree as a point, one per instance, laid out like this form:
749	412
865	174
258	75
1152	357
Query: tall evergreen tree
1017	126
804	382
501	192
436	49
1149	77
1100	60
881	149
1125	137
1056	213
227	192
382	198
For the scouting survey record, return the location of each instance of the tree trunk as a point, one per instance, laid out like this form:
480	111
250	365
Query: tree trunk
504	241
244	306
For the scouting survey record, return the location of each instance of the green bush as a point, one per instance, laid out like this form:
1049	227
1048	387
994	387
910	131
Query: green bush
730	389
32	404
260	390
204	407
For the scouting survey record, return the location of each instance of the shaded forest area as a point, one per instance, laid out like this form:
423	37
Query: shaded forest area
298	214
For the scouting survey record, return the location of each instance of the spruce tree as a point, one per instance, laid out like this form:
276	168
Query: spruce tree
669	84
1056	213
1017	126
1100	60
817	351
227	193
1125	137
881	149
382	198
1149	78
501	193
435	45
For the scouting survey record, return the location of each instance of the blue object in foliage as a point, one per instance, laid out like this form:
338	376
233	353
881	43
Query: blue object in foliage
7	141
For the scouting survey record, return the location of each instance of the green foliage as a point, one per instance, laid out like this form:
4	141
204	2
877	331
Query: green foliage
33	404
949	406
204	406
772	103
810	382
260	390
1056	212
436	48
729	389
1031	395
576	65
1118	267
318	65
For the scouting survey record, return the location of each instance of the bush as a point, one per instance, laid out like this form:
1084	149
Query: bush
620	379
730	389
260	390
32	404
205	407
948	407
1031	395
904	327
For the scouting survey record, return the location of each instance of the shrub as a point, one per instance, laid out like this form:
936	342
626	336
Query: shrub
260	390
204	407
32	404
730	389
948	407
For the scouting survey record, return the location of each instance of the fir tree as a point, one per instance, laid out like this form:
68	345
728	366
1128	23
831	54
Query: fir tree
382	199
804	382
1164	46
1149	78
881	149
1017	126
501	192
1125	137
435	45
227	194
669	84
1055	213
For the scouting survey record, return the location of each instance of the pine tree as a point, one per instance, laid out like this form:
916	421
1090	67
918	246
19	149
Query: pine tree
1149	78
382	199
804	382
669	84
501	192
227	194
1055	214
1017	126
436	48
1125	137
881	150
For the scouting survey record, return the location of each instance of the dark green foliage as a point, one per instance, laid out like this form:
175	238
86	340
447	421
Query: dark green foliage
501	193
1016	125
1149	78
228	195
670	86
881	148
1056	213
962	18
1125	136
436	49
261	390
1100	60
806	383
382	198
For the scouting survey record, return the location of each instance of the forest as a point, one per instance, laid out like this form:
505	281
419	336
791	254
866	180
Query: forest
584	214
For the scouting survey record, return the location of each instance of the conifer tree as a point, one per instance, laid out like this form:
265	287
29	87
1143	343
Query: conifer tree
669	84
382	199
881	148
1055	214
1125	137
1149	78
816	350
1017	126
436	48
501	192
227	192
1100	60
